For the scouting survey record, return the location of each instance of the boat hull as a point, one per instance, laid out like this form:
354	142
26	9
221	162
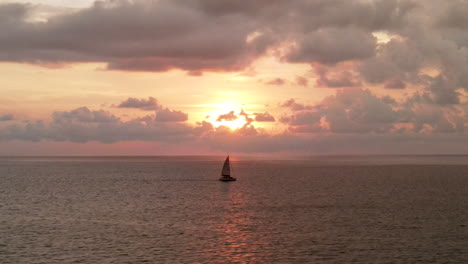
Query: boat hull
227	179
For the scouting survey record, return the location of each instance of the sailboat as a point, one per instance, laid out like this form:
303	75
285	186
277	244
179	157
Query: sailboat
226	171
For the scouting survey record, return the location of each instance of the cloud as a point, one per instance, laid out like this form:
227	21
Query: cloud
132	35
84	115
225	35
228	117
167	115
333	45
302	81
372	124
84	125
443	92
195	73
419	47
276	81
336	78
149	104
433	119
197	35
264	117
7	117
398	59
11	13
356	110
294	106
395	84
152	104
454	15
349	111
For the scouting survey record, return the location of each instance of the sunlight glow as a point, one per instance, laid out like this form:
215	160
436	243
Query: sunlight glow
383	37
226	108
234	124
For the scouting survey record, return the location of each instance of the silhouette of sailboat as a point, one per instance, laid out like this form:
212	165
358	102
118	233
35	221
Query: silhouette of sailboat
226	171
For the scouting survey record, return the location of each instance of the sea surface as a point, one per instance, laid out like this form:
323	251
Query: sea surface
380	209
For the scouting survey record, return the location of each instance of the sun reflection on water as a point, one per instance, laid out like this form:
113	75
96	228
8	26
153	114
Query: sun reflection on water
236	238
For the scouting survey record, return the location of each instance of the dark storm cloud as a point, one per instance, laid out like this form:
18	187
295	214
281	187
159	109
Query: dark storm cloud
149	104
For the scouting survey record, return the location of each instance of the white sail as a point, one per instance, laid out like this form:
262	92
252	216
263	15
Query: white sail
226	168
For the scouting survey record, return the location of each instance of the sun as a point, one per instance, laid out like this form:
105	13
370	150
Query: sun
227	115
233	125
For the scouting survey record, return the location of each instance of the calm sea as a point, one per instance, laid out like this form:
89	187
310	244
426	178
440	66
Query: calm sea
394	209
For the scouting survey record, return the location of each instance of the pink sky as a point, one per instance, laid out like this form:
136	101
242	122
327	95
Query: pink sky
194	77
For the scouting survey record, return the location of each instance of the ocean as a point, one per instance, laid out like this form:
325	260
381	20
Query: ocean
379	209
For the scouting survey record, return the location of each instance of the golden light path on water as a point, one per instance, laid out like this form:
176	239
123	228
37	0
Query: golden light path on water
236	240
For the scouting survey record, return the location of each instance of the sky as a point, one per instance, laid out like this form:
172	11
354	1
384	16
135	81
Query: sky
264	77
